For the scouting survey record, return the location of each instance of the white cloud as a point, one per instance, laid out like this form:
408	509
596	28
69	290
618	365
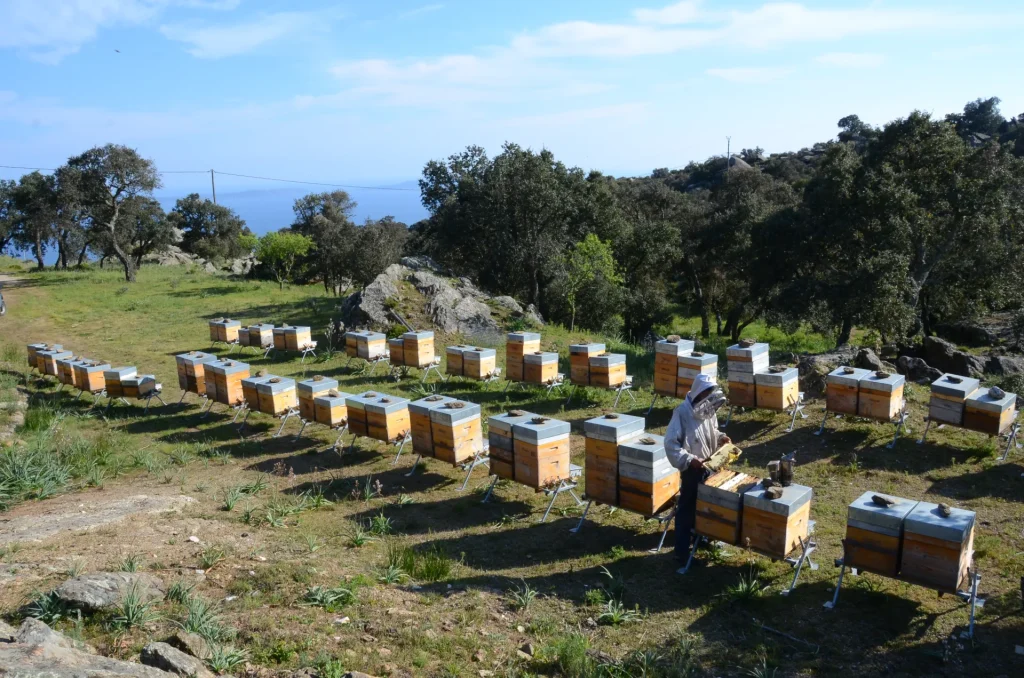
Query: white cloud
851	59
215	42
425	9
679	13
633	112
750	76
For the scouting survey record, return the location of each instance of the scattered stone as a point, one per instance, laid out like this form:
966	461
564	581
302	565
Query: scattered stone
103	590
526	648
480	656
192	643
591	622
194	539
163	656
521	629
342	620
509	303
484	673
7	632
866	359
383	652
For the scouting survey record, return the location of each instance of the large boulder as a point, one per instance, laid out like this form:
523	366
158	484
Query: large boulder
945	356
967	334
1004	365
105	590
508	303
814	368
163	656
369	307
172	255
916	369
420	262
866	359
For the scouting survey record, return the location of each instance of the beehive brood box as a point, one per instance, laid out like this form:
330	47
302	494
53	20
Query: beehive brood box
331	408
874	533
518	345
937	549
309	390
691	365
743	361
720	505
365	344
604	434
46	361
778	388
540	367
990	411
647	480
775	527
65	371
419	423
880	395
191	371
33	351
260	335
89	375
419	348
579	362
277	395
948	397
280	341
396	351
249	391
297	337
842	388
666	364
456	431
356	404
607	370
224	381
387	418
224	330
479	362
501	441
139	386
453	359
113	378
541	451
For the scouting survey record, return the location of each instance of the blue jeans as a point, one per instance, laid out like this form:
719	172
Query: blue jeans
686	514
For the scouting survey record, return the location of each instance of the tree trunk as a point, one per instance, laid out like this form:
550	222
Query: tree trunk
732	321
39	251
718	323
845	331
705	323
81	255
926	323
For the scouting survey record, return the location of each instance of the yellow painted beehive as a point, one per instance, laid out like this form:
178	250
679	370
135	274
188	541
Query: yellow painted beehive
501	442
937	548
579	362
66	370
249	391
356	404
113	380
33	353
540	367
139	386
607	370
479	362
387	418
418	348
89	375
518	345
990	410
880	395
331	408
604	434
453	359
366	345
260	335
666	364
224	330
46	361
456	431
420	424
949	394
842	389
775	527
874	533
743	361
396	351
692	364
778	388
648	482
224	381
720	505
297	337
191	371
281	338
309	390
541	452
277	395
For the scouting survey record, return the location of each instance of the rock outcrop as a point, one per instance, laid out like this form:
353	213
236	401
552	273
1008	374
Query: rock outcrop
173	255
814	368
104	590
945	356
172	660
916	369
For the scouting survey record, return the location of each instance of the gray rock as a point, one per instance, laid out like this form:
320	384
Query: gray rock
163	656
866	359
916	369
209	267
944	356
241	266
420	262
191	643
508	303
1004	366
38	651
968	364
7	632
966	333
814	368
102	590
533	315
357	674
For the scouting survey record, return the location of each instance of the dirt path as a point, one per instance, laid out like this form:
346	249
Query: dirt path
8	281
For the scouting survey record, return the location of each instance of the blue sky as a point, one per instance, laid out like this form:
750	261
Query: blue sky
368	91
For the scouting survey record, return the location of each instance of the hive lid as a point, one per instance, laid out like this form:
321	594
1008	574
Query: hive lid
331	400
639	448
533	431
866	514
845	375
540	358
955	386
227	367
296	329
196	358
927	520
613	430
741	351
424	405
983	399
698	359
522	337
386	404
676	348
479	353
422	335
119	372
607	360
786	376
586	348
457	349
506	420
275	385
888	383
449	415
256	380
792	499
396	341
313	386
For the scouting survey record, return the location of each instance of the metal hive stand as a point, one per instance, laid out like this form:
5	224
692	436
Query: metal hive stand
664	518
370	368
794	410
900	420
625	387
565	485
155	393
1010	434
308	350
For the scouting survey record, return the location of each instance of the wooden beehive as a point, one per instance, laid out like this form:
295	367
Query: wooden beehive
192	372
720	505
453	359
309	390
778	388
65	370
419	348
368	345
249	391
880	397
937	549
579	362
990	411
948	397
331	409
540	367
396	351
742	363
607	370
224	330
541	451
517	346
46	361
224	381
456	431
215	326
280	340
351	345
139	386
243	336
666	364
842	388
297	337
604	434
775	527
479	363
874	534
647	480
419	423
356	404
33	350
501	442
691	365
89	375
113	378
387	418
260	336
277	395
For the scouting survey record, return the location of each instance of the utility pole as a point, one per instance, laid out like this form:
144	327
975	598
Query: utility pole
728	156
213	185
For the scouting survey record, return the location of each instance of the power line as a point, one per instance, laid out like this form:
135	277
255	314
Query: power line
50	169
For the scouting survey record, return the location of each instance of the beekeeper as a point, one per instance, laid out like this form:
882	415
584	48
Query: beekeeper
692	437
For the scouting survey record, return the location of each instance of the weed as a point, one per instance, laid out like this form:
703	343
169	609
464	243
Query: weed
380	525
180	455
520	598
313	542
331	668
180	591
95	476
134	611
434	565
595	597
359	537
616	613
763	670
330	599
368	491
223	658
76	568
616	552
749	587
316	499
210	556
201	618
615	589
399	556
392	574
256	486
130	563
404	500
47	608
231	497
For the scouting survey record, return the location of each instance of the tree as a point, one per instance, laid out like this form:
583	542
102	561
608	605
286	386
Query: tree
108	177
378	245
147	228
589	263
853	129
280	251
326	219
980	116
36	207
9	215
208	230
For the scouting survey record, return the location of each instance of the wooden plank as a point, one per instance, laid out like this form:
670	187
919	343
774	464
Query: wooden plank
871	551
772	534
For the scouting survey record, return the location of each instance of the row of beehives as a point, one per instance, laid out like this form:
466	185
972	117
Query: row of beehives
412	349
593	365
90	376
626	466
260	335
732	508
924	543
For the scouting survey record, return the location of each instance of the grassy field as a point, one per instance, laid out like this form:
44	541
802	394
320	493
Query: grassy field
307	558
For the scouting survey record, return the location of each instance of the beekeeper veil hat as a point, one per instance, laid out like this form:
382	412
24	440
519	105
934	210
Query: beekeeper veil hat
702	383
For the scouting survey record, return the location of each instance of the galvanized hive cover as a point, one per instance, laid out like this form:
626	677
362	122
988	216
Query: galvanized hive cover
982	399
386	404
309	387
790	374
792	499
418	336
479	353
227	367
955	386
886	384
331	401
540	358
638	451
446	415
697	359
748	352
254	382
423	406
607	360
865	514
360	400
522	337
847	376
119	373
506	421
586	348
535	432
283	385
676	348
927	520
613	430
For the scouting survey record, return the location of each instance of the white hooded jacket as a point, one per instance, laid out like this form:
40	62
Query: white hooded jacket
687	436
